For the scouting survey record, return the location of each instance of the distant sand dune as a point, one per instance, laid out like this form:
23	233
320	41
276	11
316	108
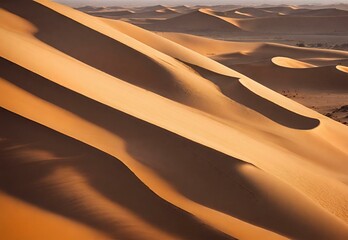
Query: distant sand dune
322	12
297	75
295	24
257	20
199	20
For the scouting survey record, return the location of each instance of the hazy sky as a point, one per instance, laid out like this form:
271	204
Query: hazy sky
191	2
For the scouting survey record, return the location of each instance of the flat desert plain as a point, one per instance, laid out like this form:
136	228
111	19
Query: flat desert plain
173	122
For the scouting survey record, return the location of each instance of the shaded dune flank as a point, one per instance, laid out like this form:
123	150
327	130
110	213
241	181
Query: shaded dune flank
322	12
121	133
113	13
184	152
256	20
192	58
55	166
199	20
160	79
110	56
295	24
175	159
235	90
311	79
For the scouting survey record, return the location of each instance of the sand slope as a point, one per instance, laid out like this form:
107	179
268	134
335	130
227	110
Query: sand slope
253	21
199	20
313	77
295	24
129	135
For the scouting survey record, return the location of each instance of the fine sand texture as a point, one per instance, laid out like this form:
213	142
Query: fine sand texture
111	131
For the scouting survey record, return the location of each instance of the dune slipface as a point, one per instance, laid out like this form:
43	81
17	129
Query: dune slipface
110	131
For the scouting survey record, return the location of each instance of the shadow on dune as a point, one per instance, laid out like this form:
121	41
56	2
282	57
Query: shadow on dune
28	172
96	49
326	78
267	51
202	174
196	21
236	91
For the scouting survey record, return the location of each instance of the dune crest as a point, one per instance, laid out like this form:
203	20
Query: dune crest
342	68
108	130
198	20
290	63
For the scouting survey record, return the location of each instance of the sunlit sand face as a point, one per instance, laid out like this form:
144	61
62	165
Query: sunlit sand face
173	122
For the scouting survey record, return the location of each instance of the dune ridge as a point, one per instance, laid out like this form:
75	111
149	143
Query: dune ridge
193	138
198	20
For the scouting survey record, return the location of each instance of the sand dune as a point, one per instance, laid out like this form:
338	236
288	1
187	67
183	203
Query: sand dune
342	68
167	10
282	9
90	8
113	13
183	8
260	61
247	20
211	47
290	63
295	24
322	12
307	76
153	8
251	12
231	52
199	20
108	130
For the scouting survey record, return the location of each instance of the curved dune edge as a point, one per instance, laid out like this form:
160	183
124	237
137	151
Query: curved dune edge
227	229
243	14
304	179
342	68
110	145
192	86
182	53
291	63
140	171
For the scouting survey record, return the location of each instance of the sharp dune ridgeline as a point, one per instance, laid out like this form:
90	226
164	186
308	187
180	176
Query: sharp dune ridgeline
109	130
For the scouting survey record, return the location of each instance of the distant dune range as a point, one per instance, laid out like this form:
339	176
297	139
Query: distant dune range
202	20
246	19
110	131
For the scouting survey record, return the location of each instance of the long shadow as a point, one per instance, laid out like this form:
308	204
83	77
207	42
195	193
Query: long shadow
233	89
24	178
198	172
22	175
95	49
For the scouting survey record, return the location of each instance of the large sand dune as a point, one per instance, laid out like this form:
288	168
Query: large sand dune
109	131
314	77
